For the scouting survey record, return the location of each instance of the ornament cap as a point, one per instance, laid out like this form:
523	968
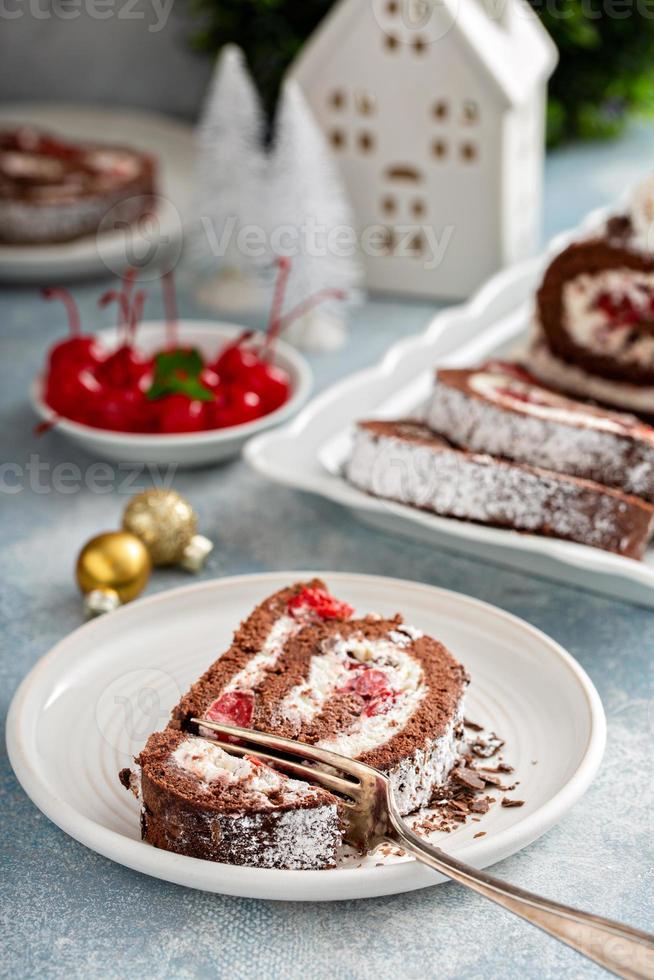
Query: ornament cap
196	553
100	601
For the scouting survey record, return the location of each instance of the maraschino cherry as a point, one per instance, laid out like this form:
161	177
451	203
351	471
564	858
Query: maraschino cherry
126	368
79	350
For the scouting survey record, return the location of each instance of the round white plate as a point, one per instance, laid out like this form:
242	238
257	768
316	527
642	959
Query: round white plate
89	705
183	449
170	141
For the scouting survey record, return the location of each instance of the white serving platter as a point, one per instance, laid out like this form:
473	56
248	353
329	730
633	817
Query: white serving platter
186	449
308	453
169	140
88	706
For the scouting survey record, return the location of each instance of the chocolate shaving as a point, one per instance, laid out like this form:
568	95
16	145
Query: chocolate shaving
472	725
486	747
481	833
468	777
511	803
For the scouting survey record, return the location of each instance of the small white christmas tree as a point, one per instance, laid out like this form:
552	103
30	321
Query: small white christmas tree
310	222
229	193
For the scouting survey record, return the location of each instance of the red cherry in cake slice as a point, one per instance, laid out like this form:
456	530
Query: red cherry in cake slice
320	604
232	708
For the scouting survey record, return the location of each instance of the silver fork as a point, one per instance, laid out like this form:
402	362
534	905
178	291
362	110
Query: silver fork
371	818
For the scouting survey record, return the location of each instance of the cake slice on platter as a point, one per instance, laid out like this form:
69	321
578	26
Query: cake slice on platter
301	666
594	333
404	461
501	409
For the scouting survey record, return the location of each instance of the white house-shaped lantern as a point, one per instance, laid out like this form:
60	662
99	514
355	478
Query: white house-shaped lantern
435	110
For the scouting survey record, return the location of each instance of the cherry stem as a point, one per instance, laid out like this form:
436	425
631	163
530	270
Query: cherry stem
170	307
113	296
274	323
58	292
308	304
135	315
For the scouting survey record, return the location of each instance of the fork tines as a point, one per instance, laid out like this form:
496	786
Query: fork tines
356	771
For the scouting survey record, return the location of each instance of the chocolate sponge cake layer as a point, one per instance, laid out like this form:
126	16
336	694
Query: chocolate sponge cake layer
198	801
596	309
405	462
498	409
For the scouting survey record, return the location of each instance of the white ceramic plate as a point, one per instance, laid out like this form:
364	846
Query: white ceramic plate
308	454
90	704
171	142
184	449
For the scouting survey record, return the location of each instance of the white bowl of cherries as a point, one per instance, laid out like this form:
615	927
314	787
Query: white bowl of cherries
185	393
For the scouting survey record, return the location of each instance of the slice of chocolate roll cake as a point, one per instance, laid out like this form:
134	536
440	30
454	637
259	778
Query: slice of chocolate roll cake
406	462
54	190
303	667
502	410
595	307
200	801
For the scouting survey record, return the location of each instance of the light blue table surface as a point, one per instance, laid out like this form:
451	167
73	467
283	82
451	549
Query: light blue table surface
68	912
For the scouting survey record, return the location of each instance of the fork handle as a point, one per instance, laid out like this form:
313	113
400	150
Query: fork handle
624	951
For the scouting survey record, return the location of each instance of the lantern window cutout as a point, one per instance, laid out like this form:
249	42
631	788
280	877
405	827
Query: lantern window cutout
337	99
418	208
469	152
366	141
419	45
365	102
388	241
439	149
389	204
337	139
470	113
392	8
417	245
391	42
441	110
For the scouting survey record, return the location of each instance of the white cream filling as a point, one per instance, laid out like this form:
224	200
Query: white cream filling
577	381
210	764
255	670
541	404
335	667
592	328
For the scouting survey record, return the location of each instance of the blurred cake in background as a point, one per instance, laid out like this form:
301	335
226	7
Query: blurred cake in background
595	313
54	190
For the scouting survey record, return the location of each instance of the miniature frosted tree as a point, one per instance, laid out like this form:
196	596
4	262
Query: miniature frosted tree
229	183
309	221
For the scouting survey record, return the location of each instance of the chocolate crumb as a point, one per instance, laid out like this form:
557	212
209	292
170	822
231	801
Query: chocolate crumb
511	803
482	833
472	725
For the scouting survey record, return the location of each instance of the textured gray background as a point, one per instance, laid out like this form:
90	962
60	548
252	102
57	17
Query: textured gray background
66	912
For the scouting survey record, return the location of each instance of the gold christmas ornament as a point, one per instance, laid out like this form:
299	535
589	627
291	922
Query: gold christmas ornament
112	568
167	525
